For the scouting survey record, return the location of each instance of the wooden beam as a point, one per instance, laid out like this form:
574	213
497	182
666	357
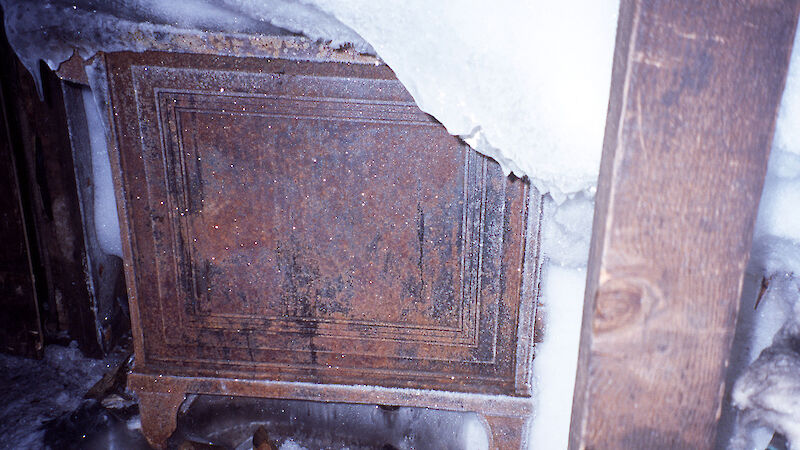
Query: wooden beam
694	96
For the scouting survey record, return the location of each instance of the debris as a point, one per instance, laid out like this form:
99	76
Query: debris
764	286
116	401
114	380
261	440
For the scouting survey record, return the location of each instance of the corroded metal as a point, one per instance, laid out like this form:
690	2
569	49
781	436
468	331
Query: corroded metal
299	221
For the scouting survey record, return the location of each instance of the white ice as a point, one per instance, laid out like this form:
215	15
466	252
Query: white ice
105	204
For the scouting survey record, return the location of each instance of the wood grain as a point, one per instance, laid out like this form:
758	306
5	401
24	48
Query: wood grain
695	90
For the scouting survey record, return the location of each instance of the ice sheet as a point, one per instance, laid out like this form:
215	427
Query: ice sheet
524	82
105	204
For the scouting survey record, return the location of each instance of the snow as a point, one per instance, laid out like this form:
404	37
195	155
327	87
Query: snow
567	230
557	357
566	234
484	65
768	392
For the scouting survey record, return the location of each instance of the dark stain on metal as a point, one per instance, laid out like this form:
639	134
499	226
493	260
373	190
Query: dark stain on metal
299	275
421	239
201	285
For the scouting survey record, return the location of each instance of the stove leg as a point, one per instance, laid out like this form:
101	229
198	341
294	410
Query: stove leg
159	415
506	432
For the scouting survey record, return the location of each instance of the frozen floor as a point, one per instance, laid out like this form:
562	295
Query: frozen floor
44	406
42	403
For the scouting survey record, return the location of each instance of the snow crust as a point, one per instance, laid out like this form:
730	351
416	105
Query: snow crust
510	77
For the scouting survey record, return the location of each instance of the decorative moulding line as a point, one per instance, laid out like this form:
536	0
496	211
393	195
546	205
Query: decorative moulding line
470	301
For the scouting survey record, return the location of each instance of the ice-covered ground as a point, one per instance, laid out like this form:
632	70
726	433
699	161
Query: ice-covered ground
44	408
34	392
524	82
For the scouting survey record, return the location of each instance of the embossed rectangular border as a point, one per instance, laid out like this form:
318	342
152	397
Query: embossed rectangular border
171	103
127	133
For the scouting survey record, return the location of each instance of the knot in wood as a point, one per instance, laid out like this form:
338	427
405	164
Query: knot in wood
623	302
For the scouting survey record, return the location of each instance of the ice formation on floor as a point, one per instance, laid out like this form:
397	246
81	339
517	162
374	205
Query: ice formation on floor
232	422
61	380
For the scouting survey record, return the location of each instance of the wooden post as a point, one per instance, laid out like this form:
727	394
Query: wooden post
694	95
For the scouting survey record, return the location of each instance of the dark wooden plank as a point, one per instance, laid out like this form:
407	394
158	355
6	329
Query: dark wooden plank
694	95
20	329
20	324
105	280
39	135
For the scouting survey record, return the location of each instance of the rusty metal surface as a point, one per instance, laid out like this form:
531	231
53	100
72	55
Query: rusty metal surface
73	70
505	418
305	221
450	401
